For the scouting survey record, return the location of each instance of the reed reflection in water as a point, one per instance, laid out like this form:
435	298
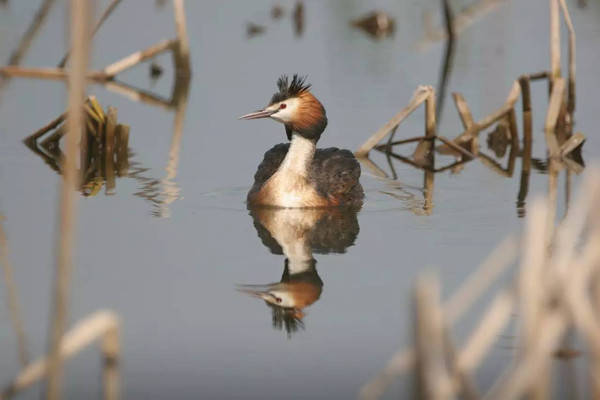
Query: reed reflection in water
297	234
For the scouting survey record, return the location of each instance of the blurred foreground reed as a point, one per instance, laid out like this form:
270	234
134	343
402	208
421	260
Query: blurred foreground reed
94	140
554	293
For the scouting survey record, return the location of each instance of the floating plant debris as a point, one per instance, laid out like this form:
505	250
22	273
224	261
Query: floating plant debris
155	71
276	11
104	150
377	24
298	18
253	29
498	140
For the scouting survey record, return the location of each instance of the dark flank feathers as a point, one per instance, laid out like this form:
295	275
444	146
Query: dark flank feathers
288	90
335	173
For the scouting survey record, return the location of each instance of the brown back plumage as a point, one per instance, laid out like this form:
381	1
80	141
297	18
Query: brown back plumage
334	173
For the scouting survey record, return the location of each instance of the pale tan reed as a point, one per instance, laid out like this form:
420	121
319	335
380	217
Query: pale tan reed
79	34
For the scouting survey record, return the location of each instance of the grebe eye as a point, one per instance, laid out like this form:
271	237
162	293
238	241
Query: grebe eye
278	299
282	106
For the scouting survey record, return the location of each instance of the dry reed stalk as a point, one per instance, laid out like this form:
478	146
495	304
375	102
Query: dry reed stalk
101	324
457	148
554	40
524	82
476	284
31	32
474	128
430	115
46	73
463	110
481	339
53	124
448	56
12	298
419	96
123	150
79	34
170	190
107	12
554	107
532	292
496	167
137	94
511	99
382	147
139	56
516	382
111	351
424	166
428	179
460	380
27	38
571	144
109	149
182	56
432	375
571	30
372	167
565	280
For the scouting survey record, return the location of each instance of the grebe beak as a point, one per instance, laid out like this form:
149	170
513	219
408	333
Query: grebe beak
259	114
260	291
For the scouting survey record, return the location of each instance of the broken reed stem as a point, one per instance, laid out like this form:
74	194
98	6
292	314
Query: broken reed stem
46	73
12	298
554	40
111	350
31	32
553	113
463	110
137	94
446	66
571	144
512	98
456	147
433	381
79	34
109	149
138	57
485	333
107	12
170	190
101	324
419	96
182	57
571	29
389	145
531	289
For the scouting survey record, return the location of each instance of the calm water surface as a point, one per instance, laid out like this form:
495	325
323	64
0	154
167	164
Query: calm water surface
187	331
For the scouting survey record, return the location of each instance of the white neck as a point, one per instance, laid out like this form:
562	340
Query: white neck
299	156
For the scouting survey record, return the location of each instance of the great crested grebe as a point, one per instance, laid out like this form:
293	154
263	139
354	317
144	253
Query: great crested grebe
297	175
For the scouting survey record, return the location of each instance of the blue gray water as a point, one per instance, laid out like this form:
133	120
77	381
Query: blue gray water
187	333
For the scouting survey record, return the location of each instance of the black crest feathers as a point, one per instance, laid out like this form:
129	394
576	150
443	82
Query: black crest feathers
287	89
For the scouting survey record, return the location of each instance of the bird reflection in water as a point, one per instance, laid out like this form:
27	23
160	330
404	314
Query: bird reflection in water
298	234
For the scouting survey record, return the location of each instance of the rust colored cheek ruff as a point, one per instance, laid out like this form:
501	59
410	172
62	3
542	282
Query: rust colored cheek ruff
310	119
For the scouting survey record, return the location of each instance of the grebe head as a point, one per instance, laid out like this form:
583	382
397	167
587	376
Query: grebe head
295	107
